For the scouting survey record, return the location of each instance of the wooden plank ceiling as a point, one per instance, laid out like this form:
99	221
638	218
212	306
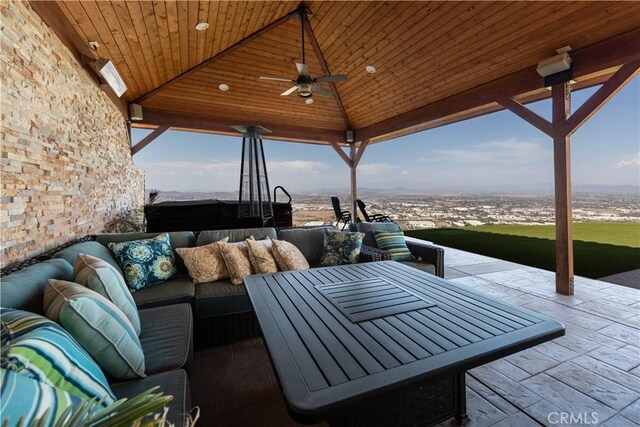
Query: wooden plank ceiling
424	52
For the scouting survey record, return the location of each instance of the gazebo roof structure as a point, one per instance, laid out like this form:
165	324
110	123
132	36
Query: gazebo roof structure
436	62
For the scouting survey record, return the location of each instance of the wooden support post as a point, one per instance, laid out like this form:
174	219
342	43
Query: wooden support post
560	129
149	139
561	98
354	185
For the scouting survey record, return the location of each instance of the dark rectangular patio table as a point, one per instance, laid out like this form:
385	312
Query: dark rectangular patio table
382	343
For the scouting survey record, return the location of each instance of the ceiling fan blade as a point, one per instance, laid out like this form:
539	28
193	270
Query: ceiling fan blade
321	90
302	69
277	79
289	91
338	78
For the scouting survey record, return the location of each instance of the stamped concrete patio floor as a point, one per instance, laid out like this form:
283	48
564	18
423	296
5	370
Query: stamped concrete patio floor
591	376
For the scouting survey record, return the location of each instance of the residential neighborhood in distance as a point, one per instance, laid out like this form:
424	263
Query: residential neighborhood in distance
415	211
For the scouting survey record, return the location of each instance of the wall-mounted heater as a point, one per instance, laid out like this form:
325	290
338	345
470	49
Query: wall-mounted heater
255	207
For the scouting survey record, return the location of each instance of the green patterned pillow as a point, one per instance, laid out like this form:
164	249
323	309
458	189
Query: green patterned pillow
395	244
341	248
100	327
37	348
145	262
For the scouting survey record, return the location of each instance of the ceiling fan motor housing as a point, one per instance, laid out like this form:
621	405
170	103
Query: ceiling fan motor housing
304	90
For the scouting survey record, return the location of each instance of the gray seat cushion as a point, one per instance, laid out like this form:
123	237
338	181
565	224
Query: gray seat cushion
420	265
90	248
310	241
174	383
24	289
369	228
237	235
220	299
174	291
166	338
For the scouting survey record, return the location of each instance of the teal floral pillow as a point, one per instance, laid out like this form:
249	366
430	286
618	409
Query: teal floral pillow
145	262
341	248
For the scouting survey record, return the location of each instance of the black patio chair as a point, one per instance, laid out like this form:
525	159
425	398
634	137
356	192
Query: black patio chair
341	216
372	217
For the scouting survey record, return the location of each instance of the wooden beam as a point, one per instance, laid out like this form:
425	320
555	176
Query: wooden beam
601	97
527	115
523	99
51	14
148	139
610	53
216	57
562	172
354	185
342	154
363	146
220	125
326	71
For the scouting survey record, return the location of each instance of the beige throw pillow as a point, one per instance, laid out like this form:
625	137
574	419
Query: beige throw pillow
236	258
205	263
261	257
288	256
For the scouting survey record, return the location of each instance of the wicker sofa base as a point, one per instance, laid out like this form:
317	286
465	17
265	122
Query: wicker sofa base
423	405
220	330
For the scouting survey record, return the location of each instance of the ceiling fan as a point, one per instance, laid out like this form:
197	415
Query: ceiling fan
304	83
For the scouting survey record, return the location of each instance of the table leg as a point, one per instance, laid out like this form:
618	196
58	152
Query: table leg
461	399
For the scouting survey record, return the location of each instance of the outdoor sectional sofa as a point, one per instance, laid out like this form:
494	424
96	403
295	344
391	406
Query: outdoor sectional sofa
222	311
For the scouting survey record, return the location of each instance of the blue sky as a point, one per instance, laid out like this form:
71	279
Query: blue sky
498	152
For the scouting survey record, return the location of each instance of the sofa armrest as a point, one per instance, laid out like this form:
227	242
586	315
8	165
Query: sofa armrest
369	254
428	253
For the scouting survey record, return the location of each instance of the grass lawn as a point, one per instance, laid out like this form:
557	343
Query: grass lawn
600	249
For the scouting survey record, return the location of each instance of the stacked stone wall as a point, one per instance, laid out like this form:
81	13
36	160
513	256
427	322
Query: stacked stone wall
65	155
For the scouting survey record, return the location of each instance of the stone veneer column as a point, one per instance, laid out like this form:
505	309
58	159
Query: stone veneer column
66	165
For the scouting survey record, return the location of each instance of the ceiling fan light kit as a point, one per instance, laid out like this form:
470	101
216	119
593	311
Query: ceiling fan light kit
304	83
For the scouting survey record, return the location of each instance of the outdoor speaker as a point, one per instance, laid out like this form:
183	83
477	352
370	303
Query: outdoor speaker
349	136
135	112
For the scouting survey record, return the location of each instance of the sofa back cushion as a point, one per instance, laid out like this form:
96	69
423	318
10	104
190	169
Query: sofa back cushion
24	289
236	235
178	239
310	241
370	228
94	249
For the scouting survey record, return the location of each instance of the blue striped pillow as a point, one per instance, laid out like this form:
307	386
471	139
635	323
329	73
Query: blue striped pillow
26	400
38	348
102	277
394	243
98	325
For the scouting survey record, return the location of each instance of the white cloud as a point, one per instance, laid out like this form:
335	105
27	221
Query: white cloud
296	166
627	162
375	168
220	174
508	152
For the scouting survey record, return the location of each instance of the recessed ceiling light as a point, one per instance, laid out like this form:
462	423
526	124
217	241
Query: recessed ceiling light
223	87
201	26
370	69
309	101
